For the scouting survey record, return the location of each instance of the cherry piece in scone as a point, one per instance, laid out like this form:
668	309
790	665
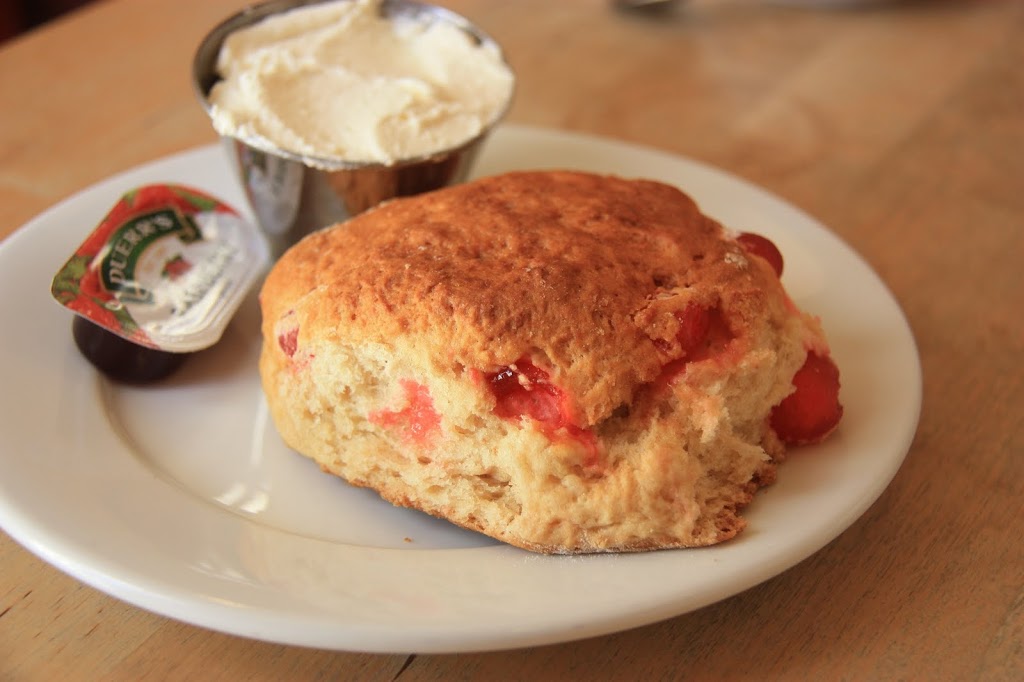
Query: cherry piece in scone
525	391
763	247
703	333
289	341
812	410
694	327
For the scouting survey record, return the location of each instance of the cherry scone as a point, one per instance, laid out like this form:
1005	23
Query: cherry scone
564	361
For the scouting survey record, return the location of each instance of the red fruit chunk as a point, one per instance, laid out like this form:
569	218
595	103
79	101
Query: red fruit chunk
702	333
694	326
523	389
813	410
763	247
417	420
532	395
289	341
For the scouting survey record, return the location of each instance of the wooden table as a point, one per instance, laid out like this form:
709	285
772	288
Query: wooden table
900	127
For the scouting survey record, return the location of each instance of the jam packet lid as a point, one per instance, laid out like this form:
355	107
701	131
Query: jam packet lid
166	268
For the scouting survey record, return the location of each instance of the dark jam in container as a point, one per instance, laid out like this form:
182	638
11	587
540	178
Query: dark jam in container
120	359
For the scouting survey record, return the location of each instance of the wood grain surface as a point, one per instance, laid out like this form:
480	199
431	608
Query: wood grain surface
900	126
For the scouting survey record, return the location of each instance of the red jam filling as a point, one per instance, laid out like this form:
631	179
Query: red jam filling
524	390
763	247
812	410
417	422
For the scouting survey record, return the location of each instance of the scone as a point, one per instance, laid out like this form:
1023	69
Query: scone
564	361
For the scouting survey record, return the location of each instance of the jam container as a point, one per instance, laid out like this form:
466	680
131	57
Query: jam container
160	277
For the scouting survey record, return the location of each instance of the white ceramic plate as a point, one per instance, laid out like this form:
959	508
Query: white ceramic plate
181	498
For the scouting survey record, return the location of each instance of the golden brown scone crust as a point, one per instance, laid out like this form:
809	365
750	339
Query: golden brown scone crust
584	275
